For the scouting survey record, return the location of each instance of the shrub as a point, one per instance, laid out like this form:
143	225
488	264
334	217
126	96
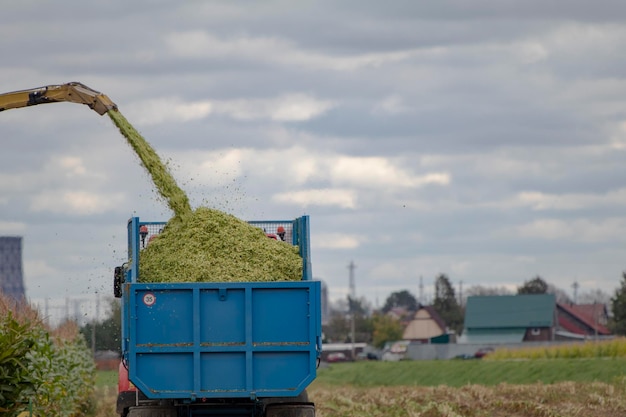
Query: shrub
51	369
16	342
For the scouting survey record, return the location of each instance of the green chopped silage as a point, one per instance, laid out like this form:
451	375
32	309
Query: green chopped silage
212	246
161	177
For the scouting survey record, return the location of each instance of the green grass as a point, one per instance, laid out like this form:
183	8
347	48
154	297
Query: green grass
455	373
106	379
459	373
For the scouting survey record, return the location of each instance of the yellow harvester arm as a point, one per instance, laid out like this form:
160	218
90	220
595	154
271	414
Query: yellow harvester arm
73	92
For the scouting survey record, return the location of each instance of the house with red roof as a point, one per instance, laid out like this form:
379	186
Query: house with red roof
582	321
531	318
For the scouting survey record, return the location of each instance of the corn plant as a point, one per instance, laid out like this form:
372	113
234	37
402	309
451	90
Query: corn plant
64	375
51	372
16	382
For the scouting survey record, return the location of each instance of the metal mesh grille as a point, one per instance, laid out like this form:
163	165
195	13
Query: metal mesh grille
148	231
276	230
279	230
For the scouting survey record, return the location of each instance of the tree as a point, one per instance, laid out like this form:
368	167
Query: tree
363	326
481	290
359	306
386	329
476	290
108	331
538	285
447	305
339	327
618	306
594	296
401	299
534	286
560	295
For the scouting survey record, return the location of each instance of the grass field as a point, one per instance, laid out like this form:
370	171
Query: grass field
472	388
457	373
106	379
564	399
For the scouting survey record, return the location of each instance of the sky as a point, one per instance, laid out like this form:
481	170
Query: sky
483	140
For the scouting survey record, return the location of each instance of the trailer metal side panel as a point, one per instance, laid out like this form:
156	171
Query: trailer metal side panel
217	340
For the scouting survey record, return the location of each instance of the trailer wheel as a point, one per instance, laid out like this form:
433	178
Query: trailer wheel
289	406
290	410
152	411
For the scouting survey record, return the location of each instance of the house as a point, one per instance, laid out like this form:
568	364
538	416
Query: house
582	321
401	314
426	325
509	319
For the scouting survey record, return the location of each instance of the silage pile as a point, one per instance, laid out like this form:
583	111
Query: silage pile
213	246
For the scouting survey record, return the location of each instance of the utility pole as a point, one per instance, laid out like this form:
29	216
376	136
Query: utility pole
461	294
575	286
94	323
422	302
351	268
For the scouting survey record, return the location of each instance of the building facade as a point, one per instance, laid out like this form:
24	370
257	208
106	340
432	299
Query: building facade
11	276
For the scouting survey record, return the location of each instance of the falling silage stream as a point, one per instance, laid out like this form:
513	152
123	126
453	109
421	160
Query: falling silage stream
204	245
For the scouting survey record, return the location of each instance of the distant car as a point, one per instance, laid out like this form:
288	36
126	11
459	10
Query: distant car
336	357
465	356
392	357
369	356
395	351
482	352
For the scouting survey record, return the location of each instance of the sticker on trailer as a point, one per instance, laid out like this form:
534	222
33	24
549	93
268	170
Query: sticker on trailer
149	299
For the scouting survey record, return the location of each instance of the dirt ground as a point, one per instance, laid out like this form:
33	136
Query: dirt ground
566	399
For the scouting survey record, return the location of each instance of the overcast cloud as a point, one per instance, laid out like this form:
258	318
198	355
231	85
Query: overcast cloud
485	140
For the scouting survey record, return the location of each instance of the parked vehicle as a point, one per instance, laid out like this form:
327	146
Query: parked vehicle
395	351
336	357
482	352
367	356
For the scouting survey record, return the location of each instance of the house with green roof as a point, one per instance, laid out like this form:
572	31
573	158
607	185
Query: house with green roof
497	319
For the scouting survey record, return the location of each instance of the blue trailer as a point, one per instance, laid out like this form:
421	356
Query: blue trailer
218	349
